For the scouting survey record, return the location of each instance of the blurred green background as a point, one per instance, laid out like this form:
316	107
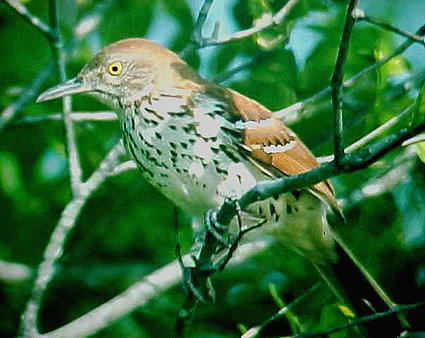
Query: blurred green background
126	230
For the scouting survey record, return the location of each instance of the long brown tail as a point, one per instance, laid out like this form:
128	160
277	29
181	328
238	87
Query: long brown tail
354	286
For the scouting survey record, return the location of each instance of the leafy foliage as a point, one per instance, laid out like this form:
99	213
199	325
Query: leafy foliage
127	229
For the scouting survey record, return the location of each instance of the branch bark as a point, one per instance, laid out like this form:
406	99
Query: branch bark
337	83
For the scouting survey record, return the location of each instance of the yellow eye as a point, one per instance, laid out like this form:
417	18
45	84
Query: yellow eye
115	68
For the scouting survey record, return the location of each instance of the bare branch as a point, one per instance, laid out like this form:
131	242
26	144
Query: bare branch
391	176
200	22
373	134
123	167
75	171
137	295
275	20
337	83
394	310
33	89
75	116
55	246
290	114
351	162
32	19
8	114
256	331
361	16
14	272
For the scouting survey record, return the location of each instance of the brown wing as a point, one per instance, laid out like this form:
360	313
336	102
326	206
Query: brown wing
294	159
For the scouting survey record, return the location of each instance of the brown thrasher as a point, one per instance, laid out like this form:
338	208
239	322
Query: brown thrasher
199	143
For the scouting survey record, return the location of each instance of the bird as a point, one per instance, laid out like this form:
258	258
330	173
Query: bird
199	143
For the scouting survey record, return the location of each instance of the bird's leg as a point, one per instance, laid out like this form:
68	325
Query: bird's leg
216	229
235	242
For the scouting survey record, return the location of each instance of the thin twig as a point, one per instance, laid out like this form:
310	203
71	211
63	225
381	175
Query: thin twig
8	114
200	21
12	273
32	19
75	116
373	134
55	246
386	180
290	114
275	20
123	167
256	331
75	171
337	83
33	89
364	319
361	16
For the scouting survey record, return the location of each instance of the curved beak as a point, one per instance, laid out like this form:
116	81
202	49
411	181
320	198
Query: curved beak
70	87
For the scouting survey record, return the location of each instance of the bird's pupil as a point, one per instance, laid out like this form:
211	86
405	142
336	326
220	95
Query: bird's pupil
115	68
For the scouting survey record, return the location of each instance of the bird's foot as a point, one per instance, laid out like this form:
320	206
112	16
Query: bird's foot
215	228
196	281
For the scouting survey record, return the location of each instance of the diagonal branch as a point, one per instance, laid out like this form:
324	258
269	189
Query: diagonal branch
275	20
290	114
8	114
351	162
90	22
361	16
391	312
32	19
373	134
55	246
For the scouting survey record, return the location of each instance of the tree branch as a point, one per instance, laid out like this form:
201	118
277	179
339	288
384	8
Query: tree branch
8	114
361	16
351	162
373	134
137	295
337	83
33	89
75	116
36	22
290	114
275	20
75	171
200	22
55	246
394	310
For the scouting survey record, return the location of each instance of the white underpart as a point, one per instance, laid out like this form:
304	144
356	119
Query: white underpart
203	149
238	181
196	169
207	126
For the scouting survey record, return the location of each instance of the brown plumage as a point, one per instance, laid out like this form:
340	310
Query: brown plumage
198	143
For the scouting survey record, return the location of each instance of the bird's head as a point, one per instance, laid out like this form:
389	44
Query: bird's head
123	72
